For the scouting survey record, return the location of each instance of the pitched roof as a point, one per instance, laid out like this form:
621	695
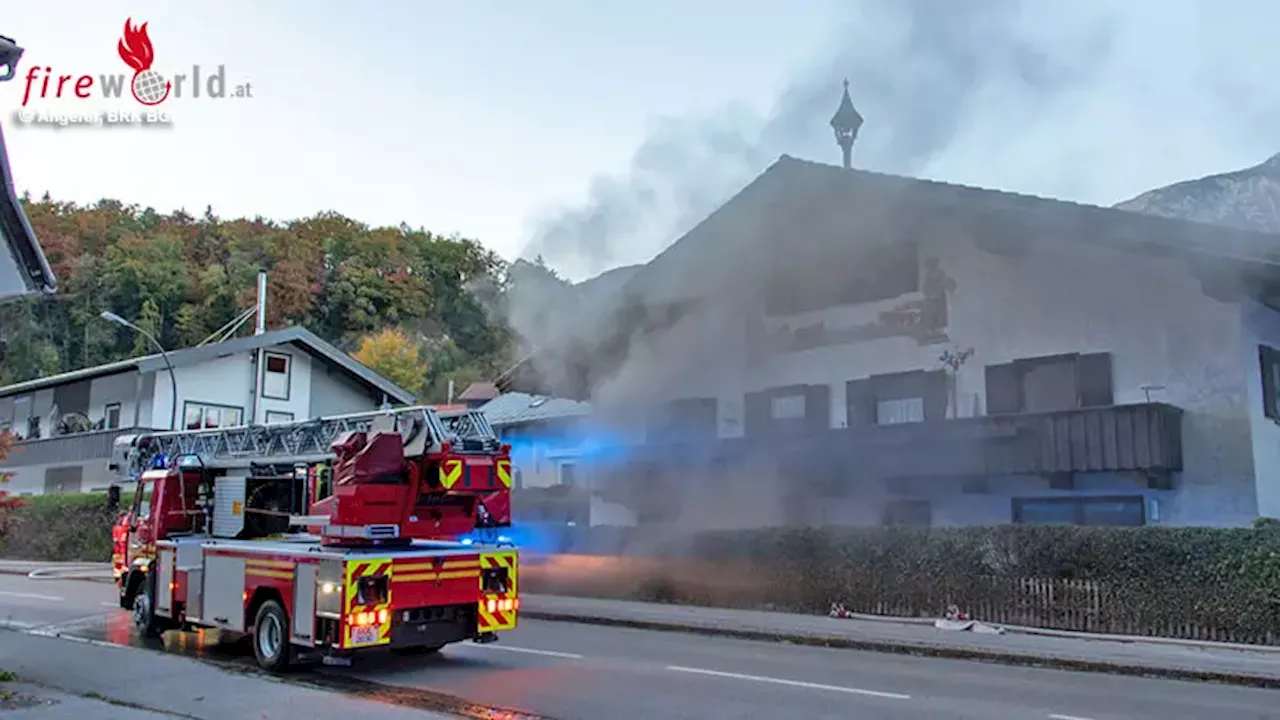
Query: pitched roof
514	408
32	269
723	249
296	335
479	391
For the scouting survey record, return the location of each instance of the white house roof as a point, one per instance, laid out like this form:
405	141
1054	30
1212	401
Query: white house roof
299	336
515	408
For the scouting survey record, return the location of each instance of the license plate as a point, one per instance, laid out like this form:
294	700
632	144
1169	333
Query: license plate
364	635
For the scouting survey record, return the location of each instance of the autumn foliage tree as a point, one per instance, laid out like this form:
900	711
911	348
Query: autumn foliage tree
394	355
8	504
183	277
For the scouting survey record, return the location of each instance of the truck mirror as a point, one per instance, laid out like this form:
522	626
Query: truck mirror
113	497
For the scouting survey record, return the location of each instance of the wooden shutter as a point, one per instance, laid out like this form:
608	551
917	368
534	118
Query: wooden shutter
756	414
1093	378
936	395
1004	390
1267	360
817	407
860	403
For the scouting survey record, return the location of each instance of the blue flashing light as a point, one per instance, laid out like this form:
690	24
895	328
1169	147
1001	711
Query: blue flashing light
159	462
504	539
466	541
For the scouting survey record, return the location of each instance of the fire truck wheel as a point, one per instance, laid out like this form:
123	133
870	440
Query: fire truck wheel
144	610
126	602
271	637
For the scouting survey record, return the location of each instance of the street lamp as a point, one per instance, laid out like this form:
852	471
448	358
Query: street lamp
173	379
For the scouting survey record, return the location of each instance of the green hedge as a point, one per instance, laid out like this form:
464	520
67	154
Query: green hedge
61	528
1207	583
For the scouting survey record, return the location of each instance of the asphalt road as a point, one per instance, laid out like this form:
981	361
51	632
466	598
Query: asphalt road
572	672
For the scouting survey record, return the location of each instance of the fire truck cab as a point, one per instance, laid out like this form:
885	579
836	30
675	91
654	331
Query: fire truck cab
321	539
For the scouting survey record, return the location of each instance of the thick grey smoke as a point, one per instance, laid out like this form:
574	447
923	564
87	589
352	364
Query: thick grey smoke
1093	101
1090	100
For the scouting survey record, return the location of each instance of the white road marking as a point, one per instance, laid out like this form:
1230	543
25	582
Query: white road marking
15	624
792	683
1053	716
32	596
527	651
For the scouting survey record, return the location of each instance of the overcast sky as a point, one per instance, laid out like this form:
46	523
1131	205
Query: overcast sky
595	132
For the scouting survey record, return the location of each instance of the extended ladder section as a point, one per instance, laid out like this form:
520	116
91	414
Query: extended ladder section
305	441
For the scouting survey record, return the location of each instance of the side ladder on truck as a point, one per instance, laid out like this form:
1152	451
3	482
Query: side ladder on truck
296	441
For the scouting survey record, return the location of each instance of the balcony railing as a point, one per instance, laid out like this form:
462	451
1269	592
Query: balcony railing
72	448
1144	437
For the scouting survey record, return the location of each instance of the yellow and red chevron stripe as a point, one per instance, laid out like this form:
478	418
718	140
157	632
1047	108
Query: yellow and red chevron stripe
278	569
450	473
497	611
504	472
448	570
377	615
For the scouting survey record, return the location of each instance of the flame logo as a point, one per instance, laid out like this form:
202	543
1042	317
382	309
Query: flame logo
148	87
135	47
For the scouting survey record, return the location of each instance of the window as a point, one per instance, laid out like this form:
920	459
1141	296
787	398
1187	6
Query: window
787	407
1128	511
111	414
909	512
203	416
1269	358
275	376
276	416
142	499
568	470
895	412
1048	384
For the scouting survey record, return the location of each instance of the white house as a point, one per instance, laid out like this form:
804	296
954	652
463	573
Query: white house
66	423
839	346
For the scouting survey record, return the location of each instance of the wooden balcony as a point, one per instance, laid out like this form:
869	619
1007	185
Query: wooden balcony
1143	438
64	449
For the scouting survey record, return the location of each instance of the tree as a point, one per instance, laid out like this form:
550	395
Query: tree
8	504
182	277
394	355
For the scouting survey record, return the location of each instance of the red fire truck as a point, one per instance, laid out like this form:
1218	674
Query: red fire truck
324	538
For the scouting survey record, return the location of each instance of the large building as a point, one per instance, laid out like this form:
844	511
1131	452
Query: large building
65	424
841	346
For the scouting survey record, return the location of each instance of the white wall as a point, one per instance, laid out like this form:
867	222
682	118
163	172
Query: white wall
1262	327
333	392
229	381
1151	314
122	389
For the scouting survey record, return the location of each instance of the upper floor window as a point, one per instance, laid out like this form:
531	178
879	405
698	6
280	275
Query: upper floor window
896	412
203	416
276	376
842	273
787	407
111	416
1049	384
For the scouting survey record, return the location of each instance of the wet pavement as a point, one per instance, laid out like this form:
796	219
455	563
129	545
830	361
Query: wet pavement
568	671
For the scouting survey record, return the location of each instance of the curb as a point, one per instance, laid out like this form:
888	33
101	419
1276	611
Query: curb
919	650
44	573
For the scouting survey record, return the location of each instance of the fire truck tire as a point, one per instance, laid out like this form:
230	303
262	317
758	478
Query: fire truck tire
126	602
271	644
144	610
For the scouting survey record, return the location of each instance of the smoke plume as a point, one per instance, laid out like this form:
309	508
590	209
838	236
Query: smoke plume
1090	100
